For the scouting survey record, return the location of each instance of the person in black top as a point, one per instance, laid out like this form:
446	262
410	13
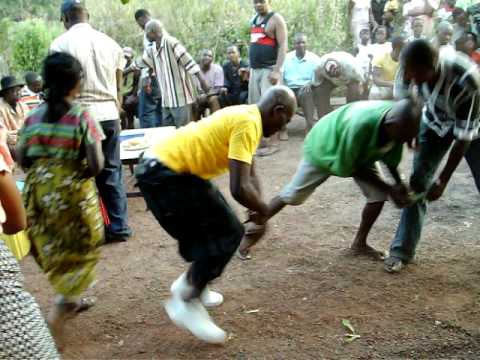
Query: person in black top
235	90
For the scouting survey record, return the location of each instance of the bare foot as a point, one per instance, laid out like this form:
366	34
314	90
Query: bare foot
368	251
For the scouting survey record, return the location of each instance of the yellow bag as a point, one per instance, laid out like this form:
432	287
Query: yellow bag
19	244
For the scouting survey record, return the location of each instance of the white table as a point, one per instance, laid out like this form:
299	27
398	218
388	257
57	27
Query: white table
152	136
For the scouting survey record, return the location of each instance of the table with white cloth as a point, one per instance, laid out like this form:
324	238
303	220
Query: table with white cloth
150	136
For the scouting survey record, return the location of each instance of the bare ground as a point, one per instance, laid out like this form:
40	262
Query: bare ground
289	302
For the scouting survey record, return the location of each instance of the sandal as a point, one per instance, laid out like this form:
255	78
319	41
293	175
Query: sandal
244	255
84	304
393	264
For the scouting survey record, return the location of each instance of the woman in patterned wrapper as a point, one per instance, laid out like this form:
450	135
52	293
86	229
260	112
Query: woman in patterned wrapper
23	331
60	146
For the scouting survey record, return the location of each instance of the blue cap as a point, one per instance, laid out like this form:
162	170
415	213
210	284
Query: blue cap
68	5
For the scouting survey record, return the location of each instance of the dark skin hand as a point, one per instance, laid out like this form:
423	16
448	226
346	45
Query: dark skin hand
12	204
245	189
456	154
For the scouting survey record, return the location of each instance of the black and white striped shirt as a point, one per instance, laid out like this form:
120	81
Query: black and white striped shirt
453	103
174	68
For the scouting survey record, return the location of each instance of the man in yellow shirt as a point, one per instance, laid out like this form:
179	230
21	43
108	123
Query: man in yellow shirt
384	69
174	178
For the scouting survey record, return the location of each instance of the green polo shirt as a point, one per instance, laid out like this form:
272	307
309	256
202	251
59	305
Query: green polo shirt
346	140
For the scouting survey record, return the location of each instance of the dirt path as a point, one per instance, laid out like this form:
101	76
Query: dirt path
301	284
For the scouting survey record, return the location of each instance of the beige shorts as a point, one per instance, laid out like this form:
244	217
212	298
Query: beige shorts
308	178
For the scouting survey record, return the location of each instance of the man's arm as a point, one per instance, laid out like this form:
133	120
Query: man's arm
119	77
398	194
243	187
377	78
395	175
456	154
281	35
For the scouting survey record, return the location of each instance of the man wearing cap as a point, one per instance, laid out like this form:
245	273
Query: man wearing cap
12	111
103	63
333	70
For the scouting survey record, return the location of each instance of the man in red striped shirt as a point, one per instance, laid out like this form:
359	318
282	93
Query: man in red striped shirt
268	48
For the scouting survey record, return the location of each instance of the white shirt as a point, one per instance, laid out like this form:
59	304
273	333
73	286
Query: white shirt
100	57
350	69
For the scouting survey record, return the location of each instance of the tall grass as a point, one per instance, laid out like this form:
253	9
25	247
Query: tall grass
198	24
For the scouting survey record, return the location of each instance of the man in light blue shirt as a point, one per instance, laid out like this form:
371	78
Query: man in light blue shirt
299	74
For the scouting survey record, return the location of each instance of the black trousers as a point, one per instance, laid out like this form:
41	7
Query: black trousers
193	211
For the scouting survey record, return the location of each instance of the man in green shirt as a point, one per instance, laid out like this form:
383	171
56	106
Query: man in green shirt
347	143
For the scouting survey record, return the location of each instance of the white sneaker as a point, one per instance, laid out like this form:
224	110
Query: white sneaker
211	298
193	317
208	297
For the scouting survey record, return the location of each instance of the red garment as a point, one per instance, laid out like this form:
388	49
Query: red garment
475	56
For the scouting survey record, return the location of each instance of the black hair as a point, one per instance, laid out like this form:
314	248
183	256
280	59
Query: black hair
61	73
141	13
475	37
458	12
31	77
419	53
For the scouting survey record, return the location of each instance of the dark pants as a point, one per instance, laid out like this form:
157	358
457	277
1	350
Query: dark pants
194	212
110	181
426	161
231	99
150	107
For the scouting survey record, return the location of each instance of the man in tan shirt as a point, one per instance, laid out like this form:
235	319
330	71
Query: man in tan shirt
12	111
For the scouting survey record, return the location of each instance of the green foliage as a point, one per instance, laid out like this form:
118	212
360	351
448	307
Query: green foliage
29	41
197	24
26	9
217	23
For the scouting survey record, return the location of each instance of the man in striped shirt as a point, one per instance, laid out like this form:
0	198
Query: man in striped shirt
174	68
31	94
450	88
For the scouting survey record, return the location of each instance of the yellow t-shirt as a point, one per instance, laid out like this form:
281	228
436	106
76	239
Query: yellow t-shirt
204	148
388	65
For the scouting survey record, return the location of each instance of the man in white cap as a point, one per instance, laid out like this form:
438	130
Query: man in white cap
338	69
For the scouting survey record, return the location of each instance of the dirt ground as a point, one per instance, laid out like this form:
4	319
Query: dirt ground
290	300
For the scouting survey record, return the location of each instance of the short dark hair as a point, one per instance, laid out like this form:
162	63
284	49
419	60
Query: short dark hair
419	53
31	77
141	13
398	41
458	12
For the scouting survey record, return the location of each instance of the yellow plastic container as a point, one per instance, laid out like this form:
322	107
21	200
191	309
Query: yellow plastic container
19	244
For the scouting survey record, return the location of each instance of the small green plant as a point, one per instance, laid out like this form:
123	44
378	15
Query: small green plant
29	42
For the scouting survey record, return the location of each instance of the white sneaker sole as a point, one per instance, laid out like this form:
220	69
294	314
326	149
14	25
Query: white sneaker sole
194	318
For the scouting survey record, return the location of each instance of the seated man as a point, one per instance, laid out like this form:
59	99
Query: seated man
174	178
299	74
336	69
347	143
12	111
236	72
213	75
31	94
384	69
